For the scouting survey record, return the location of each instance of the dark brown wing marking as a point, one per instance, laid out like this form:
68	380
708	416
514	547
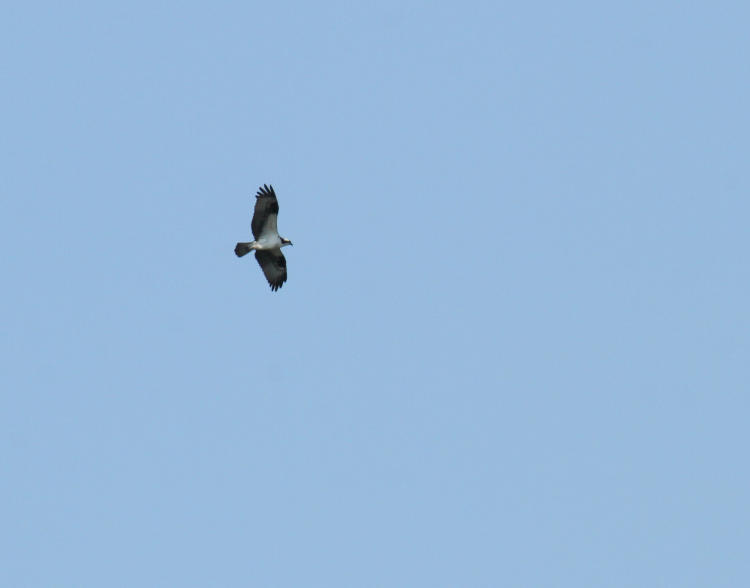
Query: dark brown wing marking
273	264
266	206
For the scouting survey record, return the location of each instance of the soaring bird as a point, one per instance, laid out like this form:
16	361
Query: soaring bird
268	242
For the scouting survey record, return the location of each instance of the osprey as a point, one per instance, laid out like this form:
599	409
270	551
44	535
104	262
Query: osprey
268	243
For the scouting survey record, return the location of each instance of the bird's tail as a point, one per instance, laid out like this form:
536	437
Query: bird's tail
242	249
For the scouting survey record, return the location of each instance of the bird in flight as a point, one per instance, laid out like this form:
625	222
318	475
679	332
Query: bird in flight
268	243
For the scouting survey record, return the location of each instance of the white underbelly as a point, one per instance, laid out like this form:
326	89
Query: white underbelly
268	243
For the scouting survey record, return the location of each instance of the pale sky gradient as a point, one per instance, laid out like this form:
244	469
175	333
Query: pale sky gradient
513	347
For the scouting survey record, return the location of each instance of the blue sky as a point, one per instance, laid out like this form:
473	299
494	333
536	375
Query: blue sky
513	347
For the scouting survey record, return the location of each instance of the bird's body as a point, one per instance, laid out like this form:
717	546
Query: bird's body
268	243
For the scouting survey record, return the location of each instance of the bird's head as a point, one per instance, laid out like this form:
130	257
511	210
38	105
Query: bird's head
285	242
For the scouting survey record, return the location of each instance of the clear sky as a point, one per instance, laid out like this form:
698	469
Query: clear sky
513	347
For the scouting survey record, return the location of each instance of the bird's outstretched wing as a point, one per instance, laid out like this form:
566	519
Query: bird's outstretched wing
266	211
273	264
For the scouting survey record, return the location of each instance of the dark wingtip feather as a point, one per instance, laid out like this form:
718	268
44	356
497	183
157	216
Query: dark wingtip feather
265	190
